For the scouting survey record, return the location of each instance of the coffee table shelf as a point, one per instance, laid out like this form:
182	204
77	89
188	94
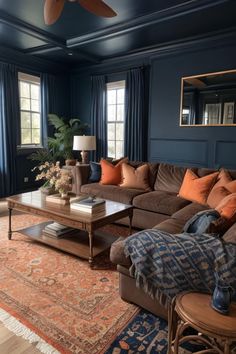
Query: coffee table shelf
76	244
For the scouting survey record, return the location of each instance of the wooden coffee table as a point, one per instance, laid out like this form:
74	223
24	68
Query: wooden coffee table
84	244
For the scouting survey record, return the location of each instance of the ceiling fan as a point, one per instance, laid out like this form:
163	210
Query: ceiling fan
53	9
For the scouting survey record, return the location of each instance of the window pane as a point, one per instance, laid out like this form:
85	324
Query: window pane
35	105
35	92
119	131
24	89
111	149
25	136
119	149
120	112
25	120
111	113
120	96
111	96
25	104
35	136
111	131
35	120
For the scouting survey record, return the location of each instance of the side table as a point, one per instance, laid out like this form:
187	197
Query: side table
215	331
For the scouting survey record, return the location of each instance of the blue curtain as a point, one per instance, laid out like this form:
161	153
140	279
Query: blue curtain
48	103
136	117
9	122
98	116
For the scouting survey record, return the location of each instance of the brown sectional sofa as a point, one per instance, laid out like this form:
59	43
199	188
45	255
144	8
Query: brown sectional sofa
160	208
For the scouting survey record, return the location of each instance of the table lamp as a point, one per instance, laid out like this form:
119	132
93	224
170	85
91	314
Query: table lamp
84	143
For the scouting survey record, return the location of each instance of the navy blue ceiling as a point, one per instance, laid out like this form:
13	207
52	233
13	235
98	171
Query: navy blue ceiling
81	37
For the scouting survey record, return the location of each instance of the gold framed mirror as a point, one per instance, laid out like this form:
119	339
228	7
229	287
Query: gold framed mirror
208	99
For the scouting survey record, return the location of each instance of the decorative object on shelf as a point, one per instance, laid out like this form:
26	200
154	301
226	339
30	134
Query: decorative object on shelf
56	178
53	9
84	143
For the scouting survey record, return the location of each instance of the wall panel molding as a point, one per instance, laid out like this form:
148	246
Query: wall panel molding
179	151
224	154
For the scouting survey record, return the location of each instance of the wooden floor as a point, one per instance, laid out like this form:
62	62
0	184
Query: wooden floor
11	344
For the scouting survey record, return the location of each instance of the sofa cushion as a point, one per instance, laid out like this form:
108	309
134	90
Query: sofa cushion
169	178
137	178
160	202
172	226
230	235
117	254
122	195
187	212
196	188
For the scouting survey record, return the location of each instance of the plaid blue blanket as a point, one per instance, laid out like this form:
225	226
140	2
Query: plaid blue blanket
163	263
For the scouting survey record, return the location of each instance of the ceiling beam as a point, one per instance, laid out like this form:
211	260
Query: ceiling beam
53	42
143	21
30	30
47	48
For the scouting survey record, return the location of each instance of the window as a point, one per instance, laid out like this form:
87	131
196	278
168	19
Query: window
115	118
30	117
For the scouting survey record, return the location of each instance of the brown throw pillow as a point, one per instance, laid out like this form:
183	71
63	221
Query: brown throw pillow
196	188
216	195
137	178
222	179
223	187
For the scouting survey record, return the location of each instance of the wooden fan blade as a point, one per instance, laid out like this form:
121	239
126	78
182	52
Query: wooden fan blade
52	10
98	7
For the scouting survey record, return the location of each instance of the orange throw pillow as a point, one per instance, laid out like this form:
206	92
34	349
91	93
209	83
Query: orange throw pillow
227	207
111	174
216	195
135	177
196	188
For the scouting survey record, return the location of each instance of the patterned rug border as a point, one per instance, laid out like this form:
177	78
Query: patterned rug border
32	328
55	346
118	332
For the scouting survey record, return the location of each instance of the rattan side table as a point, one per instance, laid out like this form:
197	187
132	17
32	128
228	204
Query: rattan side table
215	331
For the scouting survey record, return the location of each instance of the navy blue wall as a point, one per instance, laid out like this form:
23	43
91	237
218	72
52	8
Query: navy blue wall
167	141
204	146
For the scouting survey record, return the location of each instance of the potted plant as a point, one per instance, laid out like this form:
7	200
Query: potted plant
61	144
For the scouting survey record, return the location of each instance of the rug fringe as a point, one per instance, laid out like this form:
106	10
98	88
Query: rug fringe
21	330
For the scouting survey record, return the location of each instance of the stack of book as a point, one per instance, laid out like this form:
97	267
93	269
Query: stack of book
89	205
57	230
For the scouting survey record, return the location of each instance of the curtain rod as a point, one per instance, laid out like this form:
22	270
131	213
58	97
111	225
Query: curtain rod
121	71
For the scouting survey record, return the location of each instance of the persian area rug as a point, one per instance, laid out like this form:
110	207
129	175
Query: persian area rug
146	334
57	297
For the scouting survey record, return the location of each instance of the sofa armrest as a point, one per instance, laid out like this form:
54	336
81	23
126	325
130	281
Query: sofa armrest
80	176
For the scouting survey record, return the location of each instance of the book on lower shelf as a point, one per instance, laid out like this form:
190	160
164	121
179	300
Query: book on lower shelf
57	230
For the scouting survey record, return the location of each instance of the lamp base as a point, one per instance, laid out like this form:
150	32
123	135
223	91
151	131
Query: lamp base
84	156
